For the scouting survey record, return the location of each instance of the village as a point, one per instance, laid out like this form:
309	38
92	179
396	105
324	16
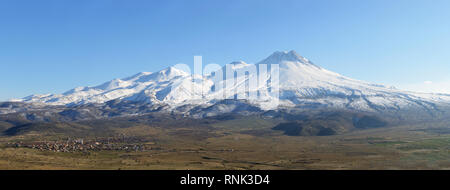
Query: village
120	143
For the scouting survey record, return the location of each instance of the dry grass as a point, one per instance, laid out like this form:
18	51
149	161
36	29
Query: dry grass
229	146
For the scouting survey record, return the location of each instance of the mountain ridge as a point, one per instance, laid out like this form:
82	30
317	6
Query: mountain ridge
302	84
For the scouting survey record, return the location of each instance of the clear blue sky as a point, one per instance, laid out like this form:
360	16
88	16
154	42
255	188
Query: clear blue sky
52	46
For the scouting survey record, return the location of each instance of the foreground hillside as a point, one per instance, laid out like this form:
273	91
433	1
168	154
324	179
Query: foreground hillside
221	143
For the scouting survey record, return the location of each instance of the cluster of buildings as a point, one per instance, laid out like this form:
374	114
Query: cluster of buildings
81	145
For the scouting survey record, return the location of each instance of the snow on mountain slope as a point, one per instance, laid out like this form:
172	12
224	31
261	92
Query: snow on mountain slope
115	89
301	84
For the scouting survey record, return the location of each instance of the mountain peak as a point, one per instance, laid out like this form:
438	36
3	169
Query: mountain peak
168	73
137	76
238	64
294	54
174	71
280	56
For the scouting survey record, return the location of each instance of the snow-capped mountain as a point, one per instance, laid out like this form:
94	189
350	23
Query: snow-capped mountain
302	84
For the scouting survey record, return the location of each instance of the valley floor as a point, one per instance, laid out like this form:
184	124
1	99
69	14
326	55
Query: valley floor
256	147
